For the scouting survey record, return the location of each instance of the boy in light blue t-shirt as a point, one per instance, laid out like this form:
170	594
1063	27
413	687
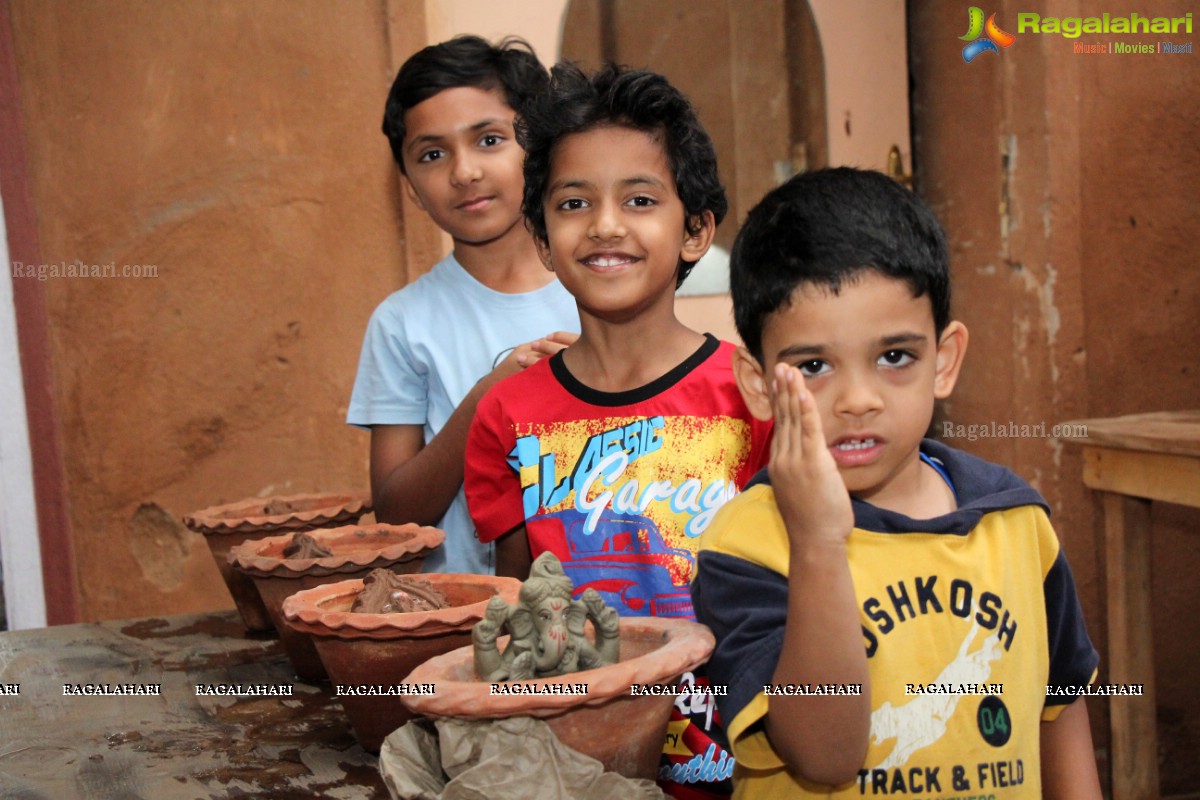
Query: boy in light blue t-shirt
482	313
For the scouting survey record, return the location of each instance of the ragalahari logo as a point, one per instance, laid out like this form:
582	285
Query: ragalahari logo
983	37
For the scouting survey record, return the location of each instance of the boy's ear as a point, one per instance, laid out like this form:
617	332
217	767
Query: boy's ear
952	348
752	384
543	250
695	245
412	192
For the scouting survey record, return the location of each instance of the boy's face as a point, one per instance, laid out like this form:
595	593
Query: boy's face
872	363
615	223
463	163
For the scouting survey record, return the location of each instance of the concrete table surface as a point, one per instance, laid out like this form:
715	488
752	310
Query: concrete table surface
59	744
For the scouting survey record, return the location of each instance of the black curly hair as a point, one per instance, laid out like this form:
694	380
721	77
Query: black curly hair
637	99
510	66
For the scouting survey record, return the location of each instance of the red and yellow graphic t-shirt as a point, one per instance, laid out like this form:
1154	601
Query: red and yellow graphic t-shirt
620	486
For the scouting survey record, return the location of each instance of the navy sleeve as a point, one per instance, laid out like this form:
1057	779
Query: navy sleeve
746	607
1073	659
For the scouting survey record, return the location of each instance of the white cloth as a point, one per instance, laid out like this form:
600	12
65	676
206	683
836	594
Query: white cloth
425	347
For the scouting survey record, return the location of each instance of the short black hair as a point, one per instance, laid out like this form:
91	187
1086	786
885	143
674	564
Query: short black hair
510	66
825	227
627	98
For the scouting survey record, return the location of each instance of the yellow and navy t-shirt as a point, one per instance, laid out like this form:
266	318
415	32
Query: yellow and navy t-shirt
967	619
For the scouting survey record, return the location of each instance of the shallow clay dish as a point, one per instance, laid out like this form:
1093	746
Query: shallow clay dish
356	550
229	525
382	649
623	732
295	512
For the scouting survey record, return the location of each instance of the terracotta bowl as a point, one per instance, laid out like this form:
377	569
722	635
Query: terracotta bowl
356	551
227	526
382	649
623	732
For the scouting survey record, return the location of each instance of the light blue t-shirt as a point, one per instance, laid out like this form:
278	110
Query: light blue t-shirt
426	346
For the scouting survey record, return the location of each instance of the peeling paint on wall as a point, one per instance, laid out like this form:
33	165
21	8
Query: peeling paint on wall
1043	291
160	544
1008	168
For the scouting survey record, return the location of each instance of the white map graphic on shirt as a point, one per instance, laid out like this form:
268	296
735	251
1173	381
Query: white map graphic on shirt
922	721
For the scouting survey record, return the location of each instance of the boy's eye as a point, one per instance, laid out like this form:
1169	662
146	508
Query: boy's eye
896	358
430	155
642	201
811	369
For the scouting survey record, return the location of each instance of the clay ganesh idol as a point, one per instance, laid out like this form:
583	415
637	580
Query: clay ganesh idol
547	628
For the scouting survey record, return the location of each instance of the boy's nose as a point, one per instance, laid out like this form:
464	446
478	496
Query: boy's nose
606	224
465	170
857	396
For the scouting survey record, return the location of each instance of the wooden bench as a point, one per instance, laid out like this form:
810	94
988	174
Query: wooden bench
1131	461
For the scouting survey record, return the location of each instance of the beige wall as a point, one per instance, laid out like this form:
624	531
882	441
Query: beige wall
1065	185
866	79
236	149
538	22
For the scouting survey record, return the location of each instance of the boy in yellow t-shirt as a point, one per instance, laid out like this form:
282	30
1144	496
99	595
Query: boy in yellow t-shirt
893	616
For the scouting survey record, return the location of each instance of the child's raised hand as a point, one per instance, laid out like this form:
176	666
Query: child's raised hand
810	492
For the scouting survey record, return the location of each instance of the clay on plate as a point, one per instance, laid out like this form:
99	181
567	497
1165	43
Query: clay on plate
356	550
385	592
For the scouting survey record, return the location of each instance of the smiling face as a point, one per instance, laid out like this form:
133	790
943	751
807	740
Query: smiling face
615	223
463	164
872	361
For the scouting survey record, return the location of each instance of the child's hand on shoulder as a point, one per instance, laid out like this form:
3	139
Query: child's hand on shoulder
535	351
511	361
528	354
810	492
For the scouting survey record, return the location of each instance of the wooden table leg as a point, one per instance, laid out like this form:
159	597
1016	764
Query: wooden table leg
1130	646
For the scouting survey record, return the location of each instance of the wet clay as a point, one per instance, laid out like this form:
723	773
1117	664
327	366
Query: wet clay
385	592
547	628
305	546
277	506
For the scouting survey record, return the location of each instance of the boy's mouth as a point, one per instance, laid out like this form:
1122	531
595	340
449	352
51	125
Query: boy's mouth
473	203
605	261
856	451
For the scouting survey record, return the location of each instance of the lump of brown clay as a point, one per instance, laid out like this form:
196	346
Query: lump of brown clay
305	546
385	592
277	506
